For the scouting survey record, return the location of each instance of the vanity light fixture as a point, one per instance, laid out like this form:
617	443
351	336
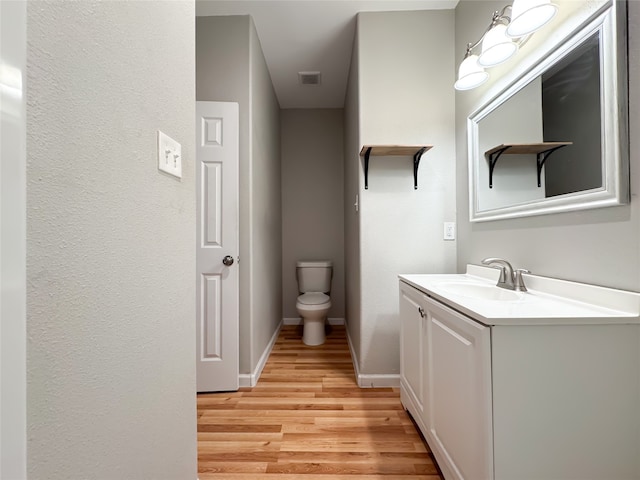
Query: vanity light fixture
502	39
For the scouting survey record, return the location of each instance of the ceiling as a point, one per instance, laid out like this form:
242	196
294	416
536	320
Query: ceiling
309	35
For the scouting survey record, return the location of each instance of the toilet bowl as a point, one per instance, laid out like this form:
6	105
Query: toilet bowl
313	303
313	308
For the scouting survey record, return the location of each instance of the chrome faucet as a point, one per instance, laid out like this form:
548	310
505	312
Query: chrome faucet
509	278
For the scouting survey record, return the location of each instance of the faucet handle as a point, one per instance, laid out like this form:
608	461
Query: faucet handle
518	282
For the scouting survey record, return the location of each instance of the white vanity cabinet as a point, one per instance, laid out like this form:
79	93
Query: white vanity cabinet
535	388
445	383
412	362
458	388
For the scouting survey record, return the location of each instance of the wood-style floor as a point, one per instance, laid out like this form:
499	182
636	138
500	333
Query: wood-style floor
307	418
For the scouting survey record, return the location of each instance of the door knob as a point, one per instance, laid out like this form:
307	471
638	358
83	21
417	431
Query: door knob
228	260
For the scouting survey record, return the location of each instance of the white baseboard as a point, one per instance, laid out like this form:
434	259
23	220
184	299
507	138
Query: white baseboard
246	379
251	379
354	357
371	380
298	321
378	380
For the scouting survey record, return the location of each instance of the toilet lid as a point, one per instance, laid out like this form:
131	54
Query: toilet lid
313	298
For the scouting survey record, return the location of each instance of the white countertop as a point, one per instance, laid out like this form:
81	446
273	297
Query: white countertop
548	301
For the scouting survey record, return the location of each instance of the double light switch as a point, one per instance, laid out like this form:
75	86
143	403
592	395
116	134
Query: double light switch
169	155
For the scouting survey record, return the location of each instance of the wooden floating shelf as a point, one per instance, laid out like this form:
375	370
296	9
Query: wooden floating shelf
394	151
525	148
542	151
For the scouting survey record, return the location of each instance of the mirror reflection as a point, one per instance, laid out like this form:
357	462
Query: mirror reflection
571	112
555	121
555	139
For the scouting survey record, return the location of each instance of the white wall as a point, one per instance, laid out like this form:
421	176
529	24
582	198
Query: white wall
595	246
230	67
13	285
110	241
405	69
312	199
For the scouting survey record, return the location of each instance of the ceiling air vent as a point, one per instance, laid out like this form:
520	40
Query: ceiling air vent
309	78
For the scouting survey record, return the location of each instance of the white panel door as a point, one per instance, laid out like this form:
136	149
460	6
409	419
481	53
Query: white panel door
217	158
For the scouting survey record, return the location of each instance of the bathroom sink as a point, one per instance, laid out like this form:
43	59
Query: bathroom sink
482	292
547	301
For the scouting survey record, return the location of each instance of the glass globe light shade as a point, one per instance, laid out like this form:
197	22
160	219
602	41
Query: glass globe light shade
496	47
470	74
527	16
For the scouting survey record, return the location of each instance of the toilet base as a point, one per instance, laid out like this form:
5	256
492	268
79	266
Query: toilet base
313	332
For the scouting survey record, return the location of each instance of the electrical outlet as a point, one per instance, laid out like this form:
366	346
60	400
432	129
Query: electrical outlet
449	230
169	155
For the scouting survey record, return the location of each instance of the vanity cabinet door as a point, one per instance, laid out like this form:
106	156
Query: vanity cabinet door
412	313
458	393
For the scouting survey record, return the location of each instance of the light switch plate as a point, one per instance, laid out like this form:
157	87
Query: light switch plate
169	155
449	231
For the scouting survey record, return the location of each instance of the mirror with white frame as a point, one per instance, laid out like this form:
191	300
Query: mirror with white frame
556	139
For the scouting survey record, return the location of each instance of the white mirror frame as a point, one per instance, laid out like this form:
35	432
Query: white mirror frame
611	25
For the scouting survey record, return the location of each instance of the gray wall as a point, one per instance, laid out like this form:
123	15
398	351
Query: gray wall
596	246
110	241
266	210
230	67
408	101
312	199
352	174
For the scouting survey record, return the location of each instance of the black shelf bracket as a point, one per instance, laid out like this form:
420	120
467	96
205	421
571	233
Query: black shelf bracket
493	158
541	158
416	163
366	168
393	151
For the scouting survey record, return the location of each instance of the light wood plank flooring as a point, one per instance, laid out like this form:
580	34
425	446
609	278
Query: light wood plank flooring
307	417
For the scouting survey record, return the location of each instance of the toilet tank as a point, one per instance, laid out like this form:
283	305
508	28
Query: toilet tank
314	276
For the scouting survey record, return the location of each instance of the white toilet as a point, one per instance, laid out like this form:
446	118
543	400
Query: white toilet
314	285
